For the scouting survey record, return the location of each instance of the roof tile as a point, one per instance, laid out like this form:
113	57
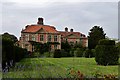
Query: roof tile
35	28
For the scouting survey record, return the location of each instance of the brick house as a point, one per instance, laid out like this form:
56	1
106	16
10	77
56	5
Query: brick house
73	37
39	33
46	33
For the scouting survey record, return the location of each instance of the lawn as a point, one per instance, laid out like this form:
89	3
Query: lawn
57	68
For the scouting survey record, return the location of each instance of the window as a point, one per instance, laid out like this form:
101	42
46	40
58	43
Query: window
55	46
49	38
33	38
71	42
41	37
55	37
27	37
76	42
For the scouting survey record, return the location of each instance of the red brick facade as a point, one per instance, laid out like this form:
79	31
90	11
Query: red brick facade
45	33
74	37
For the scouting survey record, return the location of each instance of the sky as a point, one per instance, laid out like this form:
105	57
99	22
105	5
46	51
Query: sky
81	15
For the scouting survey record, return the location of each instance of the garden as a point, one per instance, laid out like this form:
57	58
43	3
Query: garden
99	60
60	68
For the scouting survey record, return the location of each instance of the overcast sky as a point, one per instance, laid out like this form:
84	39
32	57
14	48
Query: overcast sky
81	15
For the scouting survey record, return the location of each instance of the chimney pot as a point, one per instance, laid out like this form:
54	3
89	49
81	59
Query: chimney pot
66	29
71	30
40	21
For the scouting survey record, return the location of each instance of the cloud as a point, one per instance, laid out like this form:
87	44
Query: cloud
81	16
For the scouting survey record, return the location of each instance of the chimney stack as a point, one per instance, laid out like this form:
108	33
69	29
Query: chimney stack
66	29
71	30
40	21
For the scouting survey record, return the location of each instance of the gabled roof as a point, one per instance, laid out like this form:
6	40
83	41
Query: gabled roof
66	34
36	28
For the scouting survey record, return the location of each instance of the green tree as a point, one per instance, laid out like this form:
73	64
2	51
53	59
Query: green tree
57	53
9	50
66	46
95	34
118	47
88	53
11	37
78	52
106	53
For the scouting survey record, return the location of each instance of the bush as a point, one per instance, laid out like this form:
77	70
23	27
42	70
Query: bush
106	42
72	52
20	53
93	52
47	54
88	53
57	53
64	53
78	52
106	54
35	55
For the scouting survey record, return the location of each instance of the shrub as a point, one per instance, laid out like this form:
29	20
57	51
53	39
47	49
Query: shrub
75	74
47	54
57	53
78	52
35	54
106	42
72	52
64	53
88	53
93	52
106	53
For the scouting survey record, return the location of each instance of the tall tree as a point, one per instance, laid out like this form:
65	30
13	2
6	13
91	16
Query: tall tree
118	47
95	34
11	37
10	52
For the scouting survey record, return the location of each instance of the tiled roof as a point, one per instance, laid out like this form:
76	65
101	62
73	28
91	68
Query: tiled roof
35	28
65	34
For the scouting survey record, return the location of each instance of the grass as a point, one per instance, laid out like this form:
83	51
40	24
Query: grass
57	68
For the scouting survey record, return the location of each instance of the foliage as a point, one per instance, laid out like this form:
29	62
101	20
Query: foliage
106	54
95	34
93	52
57	53
64	53
110	77
97	73
66	46
72	52
78	52
118	47
78	45
7	51
10	37
40	47
76	74
10	52
35	55
88	53
47	54
20	53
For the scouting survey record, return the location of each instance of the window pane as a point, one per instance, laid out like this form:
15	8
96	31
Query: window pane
49	38
55	38
33	38
55	46
27	37
41	37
